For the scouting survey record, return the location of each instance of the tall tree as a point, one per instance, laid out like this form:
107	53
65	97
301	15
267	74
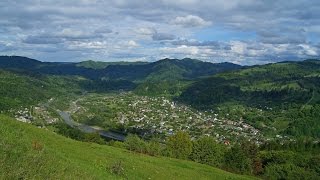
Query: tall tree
207	151
179	145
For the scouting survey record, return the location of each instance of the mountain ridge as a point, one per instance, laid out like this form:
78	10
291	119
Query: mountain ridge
133	71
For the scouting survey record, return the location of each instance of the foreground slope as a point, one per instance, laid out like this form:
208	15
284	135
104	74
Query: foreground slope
31	153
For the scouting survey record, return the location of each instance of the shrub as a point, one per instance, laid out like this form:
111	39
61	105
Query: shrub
93	137
207	151
179	145
314	164
117	168
257	166
117	144
276	157
154	148
37	146
67	131
288	171
237	161
134	143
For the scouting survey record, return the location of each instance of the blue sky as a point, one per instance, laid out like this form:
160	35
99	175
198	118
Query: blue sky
239	31
223	34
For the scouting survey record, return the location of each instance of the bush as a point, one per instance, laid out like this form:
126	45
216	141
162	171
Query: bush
117	168
134	143
117	144
37	146
288	171
154	148
207	151
179	145
257	166
314	164
276	157
94	138
237	161
67	131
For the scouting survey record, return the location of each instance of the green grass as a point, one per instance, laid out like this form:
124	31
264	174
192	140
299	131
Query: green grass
31	153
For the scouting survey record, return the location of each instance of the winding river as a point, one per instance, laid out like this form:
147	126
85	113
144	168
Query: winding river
88	129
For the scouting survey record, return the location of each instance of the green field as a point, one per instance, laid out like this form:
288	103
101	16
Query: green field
27	152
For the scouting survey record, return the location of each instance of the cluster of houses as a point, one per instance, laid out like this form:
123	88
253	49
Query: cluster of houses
34	114
153	115
158	115
44	115
24	115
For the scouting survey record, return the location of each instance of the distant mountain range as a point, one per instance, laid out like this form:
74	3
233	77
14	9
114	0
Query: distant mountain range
166	69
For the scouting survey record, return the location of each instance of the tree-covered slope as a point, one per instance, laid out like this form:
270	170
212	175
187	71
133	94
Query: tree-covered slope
278	98
163	77
102	65
23	90
270	85
171	76
27	152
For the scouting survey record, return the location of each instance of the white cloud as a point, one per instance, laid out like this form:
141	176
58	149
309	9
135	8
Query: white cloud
238	47
188	51
132	44
88	45
190	21
308	50
146	31
75	30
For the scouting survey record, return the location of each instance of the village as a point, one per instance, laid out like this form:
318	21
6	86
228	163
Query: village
148	116
159	116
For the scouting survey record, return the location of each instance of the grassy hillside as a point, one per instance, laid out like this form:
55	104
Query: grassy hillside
30	153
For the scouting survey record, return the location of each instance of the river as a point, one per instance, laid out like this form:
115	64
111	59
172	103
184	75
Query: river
88	129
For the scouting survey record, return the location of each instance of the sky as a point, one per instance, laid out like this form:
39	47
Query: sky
245	32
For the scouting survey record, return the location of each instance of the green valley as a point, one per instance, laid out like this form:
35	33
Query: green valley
248	120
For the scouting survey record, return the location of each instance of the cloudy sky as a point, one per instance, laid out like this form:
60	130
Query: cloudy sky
239	31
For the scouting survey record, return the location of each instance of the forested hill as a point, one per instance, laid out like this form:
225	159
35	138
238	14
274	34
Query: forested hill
166	69
102	65
282	96
265	85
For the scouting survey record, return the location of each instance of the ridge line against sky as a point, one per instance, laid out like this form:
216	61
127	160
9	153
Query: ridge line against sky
240	31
